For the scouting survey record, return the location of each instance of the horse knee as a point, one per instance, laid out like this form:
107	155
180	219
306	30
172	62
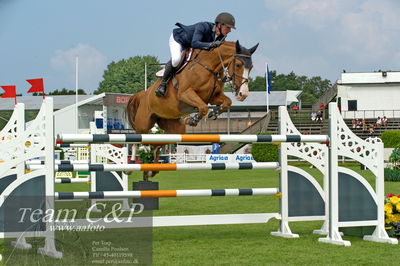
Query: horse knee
203	111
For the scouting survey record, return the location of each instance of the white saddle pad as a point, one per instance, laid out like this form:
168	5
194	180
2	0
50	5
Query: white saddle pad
160	73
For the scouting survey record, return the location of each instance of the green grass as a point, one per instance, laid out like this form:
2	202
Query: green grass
226	244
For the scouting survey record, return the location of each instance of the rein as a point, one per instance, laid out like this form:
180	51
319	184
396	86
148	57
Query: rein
223	75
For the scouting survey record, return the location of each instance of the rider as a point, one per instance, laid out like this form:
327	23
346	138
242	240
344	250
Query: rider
202	35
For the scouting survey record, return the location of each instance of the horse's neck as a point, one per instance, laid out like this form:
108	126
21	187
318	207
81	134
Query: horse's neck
222	54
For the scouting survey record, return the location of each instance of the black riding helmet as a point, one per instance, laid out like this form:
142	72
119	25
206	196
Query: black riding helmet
225	18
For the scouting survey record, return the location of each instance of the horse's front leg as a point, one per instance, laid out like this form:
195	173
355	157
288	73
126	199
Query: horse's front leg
223	102
190	97
156	156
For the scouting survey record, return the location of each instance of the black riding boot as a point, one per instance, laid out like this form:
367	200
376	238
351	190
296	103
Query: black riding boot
162	89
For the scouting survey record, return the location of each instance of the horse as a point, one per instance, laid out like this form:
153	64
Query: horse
200	83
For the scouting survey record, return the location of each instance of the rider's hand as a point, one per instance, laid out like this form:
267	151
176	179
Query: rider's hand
215	44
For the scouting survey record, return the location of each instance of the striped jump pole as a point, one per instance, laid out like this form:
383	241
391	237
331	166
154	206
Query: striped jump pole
187	138
157	167
71	180
166	193
71	145
57	162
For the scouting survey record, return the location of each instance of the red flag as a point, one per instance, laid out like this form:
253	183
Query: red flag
9	91
37	85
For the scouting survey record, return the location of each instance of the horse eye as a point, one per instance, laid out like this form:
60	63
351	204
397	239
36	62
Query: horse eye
237	65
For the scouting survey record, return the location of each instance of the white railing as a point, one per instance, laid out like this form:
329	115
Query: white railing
370	114
184	158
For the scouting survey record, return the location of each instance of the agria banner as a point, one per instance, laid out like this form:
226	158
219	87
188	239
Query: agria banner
229	158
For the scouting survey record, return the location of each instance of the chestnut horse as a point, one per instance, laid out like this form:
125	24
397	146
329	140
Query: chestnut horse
200	83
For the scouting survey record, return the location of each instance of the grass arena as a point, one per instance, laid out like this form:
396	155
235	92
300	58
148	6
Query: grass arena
233	240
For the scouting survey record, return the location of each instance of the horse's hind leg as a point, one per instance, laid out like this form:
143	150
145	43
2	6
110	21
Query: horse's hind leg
144	122
170	126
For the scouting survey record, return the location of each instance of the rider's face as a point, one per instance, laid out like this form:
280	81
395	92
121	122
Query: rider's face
225	29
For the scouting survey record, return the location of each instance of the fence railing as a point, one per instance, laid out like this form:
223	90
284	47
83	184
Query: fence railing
370	114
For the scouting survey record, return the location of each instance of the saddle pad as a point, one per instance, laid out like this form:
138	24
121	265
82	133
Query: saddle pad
185	59
160	73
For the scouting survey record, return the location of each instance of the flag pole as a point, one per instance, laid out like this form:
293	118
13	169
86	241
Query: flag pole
76	93
267	85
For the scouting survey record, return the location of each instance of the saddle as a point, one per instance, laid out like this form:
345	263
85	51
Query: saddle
186	58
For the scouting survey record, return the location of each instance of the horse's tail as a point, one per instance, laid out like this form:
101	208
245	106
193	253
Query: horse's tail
132	107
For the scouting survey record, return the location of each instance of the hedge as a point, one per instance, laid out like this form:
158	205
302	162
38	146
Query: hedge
266	152
392	175
390	138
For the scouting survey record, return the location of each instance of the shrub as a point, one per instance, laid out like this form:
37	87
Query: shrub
392	175
265	152
390	138
394	158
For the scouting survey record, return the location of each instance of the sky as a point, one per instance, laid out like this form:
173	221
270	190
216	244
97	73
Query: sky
41	38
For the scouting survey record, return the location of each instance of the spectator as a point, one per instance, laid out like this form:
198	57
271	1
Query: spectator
371	129
364	125
354	123
319	116
384	121
378	122
313	116
359	123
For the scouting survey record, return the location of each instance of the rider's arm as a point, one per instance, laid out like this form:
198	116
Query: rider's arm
199	33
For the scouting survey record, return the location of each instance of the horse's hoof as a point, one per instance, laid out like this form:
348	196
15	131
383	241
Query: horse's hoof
193	122
212	115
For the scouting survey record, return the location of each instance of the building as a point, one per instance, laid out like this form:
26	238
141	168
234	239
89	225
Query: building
243	114
369	94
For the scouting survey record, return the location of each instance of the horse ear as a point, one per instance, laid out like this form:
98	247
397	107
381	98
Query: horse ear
238	47
254	48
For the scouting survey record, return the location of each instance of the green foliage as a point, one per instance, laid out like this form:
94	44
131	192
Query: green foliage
128	76
312	88
390	138
392	175
394	158
146	153
267	152
64	91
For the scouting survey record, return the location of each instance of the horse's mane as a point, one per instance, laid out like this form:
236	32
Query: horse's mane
228	43
225	43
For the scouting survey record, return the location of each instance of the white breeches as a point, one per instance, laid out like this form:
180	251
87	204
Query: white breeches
176	51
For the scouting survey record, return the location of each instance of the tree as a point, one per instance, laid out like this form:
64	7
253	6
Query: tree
63	91
312	88
127	76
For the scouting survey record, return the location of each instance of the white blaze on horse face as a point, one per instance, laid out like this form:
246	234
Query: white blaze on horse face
244	88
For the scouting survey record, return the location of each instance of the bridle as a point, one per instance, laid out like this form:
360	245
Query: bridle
223	75
234	74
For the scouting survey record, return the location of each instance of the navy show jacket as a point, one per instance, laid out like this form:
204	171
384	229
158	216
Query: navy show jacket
198	36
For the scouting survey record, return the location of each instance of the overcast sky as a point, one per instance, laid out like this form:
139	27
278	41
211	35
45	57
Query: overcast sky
41	38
